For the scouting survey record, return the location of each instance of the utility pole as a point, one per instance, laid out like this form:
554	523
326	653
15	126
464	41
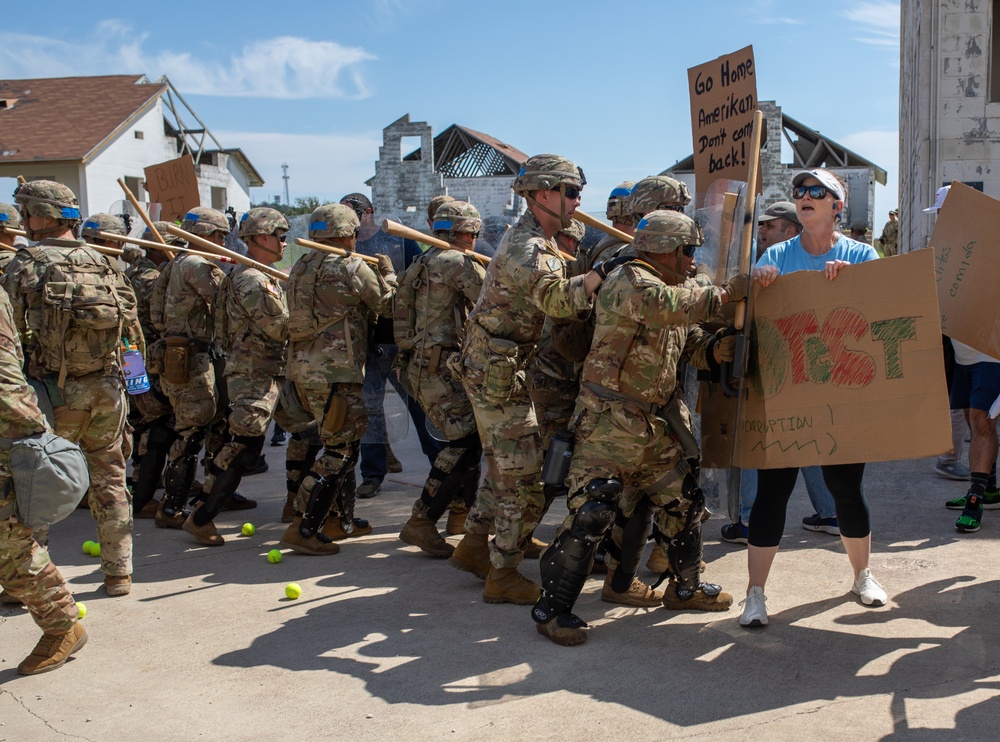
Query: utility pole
284	177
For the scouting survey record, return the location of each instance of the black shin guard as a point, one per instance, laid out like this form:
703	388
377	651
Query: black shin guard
146	478
180	473
567	561
228	480
635	531
685	549
451	483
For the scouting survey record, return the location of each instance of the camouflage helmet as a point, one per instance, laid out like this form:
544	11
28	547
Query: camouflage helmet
262	220
617	211
545	172
48	198
204	221
132	253
657	192
333	220
161	227
435	204
664	231
457	216
9	216
575	230
102	222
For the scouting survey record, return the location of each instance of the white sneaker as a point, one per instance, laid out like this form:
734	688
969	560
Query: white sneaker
869	589
754	610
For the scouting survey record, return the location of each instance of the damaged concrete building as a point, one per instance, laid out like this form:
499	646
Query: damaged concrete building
414	166
949	106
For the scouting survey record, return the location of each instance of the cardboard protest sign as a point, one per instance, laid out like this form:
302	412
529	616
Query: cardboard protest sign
846	371
967	262
723	101
174	185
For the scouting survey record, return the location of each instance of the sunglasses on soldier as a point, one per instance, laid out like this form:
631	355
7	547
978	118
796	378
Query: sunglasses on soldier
815	192
688	250
568	191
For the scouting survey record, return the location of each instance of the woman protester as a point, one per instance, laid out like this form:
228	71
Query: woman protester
819	201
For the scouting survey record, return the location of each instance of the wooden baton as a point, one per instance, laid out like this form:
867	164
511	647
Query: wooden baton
583	216
218	250
401	230
301	242
158	246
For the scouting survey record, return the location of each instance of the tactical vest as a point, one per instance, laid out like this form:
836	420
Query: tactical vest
308	318
158	298
85	304
404	304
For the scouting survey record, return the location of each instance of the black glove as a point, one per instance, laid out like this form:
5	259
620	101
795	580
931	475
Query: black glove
603	269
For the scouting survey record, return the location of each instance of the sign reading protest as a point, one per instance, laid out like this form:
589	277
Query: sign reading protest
723	101
174	185
846	371
966	264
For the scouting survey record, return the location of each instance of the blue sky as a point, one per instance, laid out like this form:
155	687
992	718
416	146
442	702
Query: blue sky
313	84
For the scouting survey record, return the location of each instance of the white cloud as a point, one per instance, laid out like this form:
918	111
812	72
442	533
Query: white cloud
284	67
327	166
875	23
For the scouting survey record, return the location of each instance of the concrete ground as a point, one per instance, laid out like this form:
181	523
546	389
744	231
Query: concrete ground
386	643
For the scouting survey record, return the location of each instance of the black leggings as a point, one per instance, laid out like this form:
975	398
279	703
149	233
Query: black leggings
774	487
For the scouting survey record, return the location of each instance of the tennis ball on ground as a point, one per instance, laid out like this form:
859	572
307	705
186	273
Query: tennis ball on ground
274	556
248	529
292	590
87	546
95	549
81	610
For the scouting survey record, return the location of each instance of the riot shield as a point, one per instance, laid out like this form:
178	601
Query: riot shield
490	235
134	224
372	240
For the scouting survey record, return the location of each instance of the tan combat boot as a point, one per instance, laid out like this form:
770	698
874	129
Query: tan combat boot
148	511
508	585
707	597
638	594
208	534
657	561
288	511
534	548
566	634
422	532
53	650
334	529
472	555
163	520
117	585
457	513
313	546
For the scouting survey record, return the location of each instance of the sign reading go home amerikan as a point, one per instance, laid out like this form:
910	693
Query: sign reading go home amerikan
846	371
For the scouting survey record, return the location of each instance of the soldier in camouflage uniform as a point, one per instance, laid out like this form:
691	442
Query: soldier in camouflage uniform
620	218
631	432
526	281
12	220
182	308
26	572
329	299
890	235
151	415
79	365
435	295
251	324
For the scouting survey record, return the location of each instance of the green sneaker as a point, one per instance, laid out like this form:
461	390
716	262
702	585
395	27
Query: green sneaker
969	520
991	501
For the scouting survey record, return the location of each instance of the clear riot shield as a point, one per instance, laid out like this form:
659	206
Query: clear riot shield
233	241
722	220
372	240
134	224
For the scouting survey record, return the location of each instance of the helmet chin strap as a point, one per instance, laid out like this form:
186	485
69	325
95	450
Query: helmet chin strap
665	271
36	235
564	219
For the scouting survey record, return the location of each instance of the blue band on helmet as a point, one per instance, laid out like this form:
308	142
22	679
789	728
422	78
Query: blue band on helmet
642	224
91	225
443	226
244	217
191	217
317	227
68	212
521	172
620	192
4	218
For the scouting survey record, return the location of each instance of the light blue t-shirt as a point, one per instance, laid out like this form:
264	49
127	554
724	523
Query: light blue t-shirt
790	256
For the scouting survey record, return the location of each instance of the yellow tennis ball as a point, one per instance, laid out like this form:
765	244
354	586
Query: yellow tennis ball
274	556
248	529
95	549
292	590
81	610
87	546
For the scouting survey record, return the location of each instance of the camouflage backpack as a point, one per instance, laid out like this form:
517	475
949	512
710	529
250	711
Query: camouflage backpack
85	303
304	321
404	308
158	298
